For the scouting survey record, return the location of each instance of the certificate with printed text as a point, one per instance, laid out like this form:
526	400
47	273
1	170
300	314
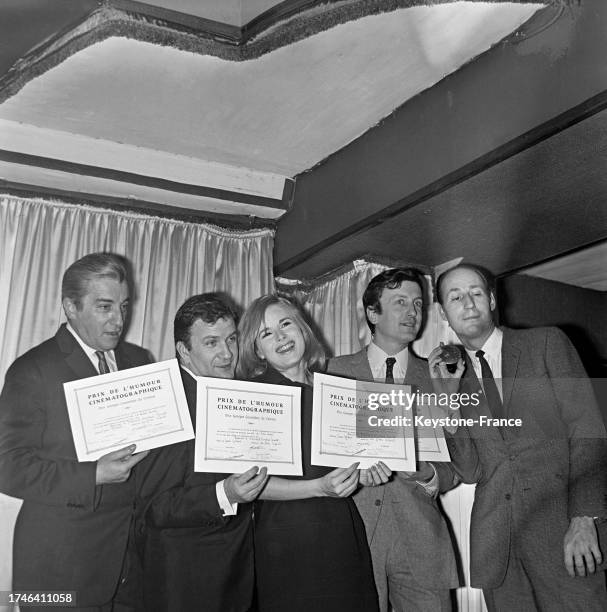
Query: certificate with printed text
241	424
145	406
346	427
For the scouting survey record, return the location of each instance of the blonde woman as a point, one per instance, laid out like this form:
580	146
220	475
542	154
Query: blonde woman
311	551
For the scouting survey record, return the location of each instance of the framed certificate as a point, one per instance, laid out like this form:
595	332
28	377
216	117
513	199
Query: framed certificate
145	406
348	426
240	424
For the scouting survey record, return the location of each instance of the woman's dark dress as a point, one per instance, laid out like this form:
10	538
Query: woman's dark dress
311	554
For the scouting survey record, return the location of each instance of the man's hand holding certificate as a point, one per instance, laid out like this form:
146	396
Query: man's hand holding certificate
145	406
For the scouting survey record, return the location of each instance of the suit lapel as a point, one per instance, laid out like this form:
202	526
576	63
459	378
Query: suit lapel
122	361
510	359
190	386
361	369
75	357
417	370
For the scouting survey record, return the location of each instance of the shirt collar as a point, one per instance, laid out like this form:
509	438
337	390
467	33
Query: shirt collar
85	347
188	371
377	357
493	345
90	352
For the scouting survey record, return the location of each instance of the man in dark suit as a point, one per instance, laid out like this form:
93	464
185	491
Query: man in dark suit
72	529
540	481
412	553
195	535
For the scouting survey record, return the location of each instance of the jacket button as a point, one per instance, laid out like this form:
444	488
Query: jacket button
507	496
378	502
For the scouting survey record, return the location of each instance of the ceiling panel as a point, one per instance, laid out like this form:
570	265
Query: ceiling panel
547	200
586	268
283	112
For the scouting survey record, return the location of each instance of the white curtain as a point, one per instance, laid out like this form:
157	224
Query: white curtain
335	306
171	261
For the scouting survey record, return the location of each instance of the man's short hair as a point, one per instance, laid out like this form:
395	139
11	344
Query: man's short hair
486	276
209	307
388	279
93	265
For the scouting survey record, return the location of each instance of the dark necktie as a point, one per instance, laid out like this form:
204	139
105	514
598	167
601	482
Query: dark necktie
491	393
103	366
390	361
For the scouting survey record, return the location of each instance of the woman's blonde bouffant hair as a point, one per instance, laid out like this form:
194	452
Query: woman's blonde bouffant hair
250	364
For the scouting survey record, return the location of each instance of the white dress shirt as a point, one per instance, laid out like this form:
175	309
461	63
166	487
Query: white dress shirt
493	355
110	358
377	362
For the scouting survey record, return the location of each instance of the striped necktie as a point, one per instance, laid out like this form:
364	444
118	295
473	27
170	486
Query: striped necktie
103	366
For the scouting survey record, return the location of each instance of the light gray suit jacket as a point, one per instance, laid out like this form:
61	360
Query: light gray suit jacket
532	479
422	530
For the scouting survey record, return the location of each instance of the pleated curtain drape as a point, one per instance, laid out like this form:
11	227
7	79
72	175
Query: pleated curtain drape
171	260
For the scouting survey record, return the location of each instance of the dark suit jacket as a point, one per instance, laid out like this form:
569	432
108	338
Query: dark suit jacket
532	479
70	534
193	557
423	530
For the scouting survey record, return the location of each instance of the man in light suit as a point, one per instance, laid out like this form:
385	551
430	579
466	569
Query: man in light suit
194	529
540	481
72	529
411	549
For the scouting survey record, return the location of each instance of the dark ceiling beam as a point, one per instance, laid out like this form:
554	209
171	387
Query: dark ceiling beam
524	141
36	161
516	94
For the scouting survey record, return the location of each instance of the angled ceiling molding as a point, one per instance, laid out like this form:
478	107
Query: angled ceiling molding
282	25
66	179
62	160
96	152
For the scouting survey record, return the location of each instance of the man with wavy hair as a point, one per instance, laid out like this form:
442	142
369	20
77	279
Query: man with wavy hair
413	559
72	529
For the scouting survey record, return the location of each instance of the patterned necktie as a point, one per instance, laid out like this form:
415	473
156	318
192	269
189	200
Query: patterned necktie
491	393
390	361
103	366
